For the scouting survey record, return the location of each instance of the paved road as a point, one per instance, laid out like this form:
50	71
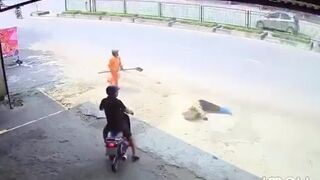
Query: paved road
230	63
268	75
62	146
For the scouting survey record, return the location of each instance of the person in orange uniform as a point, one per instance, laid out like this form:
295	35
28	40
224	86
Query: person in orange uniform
114	66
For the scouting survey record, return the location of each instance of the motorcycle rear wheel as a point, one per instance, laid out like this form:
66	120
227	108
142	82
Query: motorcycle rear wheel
114	166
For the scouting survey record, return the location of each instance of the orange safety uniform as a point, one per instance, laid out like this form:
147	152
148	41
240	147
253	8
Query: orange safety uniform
114	67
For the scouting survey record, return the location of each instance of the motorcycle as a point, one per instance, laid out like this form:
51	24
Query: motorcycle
116	148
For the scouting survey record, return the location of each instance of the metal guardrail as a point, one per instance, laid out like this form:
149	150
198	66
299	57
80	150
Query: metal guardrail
196	12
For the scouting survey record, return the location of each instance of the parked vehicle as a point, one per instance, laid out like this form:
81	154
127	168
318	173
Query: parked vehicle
280	21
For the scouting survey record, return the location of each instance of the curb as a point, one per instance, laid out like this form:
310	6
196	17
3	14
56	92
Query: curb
139	20
219	29
271	39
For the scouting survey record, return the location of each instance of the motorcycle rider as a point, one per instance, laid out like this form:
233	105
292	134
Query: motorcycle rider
1	4
18	13
117	119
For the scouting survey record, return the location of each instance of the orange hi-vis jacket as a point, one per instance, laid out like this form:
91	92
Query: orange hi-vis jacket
114	67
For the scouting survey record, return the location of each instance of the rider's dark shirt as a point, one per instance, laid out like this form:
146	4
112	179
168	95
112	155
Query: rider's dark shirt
114	110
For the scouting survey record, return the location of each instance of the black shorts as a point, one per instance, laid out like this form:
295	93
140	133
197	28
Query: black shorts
126	132
126	129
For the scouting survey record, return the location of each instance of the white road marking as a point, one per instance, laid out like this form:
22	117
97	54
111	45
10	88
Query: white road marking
33	121
30	122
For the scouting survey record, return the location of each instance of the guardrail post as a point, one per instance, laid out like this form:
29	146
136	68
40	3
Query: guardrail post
124	6
160	9
94	5
247	19
201	13
88	8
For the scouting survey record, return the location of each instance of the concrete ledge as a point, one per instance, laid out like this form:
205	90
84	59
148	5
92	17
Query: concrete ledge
115	18
214	29
127	19
223	31
220	30
171	22
139	20
39	13
263	35
111	18
269	38
106	18
315	45
150	21
246	34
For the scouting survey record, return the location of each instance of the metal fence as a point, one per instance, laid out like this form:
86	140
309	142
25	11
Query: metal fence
109	6
203	13
81	5
225	16
143	8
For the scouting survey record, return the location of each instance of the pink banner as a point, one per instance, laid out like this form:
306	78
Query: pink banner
9	41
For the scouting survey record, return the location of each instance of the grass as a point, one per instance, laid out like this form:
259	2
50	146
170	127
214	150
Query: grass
94	13
292	37
71	12
119	14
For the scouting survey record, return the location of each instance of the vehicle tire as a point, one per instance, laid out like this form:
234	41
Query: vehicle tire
290	30
260	25
111	158
114	166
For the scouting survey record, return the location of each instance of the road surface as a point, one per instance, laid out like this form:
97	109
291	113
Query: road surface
272	90
61	145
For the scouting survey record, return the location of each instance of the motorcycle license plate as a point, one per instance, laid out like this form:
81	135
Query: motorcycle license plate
111	151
